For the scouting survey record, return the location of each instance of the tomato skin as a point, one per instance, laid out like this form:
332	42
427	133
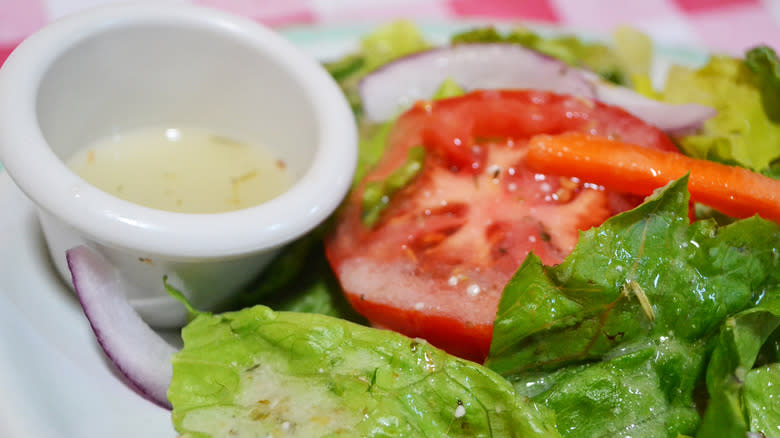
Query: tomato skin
453	126
435	264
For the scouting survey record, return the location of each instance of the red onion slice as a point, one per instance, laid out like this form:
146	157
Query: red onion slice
672	119
137	351
394	87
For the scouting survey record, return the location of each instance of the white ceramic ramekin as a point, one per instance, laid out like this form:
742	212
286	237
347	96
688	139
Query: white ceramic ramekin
126	66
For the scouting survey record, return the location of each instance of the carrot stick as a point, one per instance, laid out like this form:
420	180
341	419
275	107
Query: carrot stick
638	170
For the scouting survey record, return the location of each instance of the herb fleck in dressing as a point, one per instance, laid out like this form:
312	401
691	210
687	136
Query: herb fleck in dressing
186	170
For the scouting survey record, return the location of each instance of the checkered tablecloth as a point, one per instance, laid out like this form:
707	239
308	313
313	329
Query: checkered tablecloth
728	26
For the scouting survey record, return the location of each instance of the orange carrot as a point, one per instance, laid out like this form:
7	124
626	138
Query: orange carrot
634	169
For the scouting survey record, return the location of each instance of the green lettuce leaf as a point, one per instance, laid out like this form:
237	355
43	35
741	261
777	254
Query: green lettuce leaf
382	45
741	133
373	137
773	171
761	393
763	62
299	279
489	34
770	352
634	50
377	194
283	272
448	88
257	373
315	290
373	141
736	406
391	41
630	394
628	317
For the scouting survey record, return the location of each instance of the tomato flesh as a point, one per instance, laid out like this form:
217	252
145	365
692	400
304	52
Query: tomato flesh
435	263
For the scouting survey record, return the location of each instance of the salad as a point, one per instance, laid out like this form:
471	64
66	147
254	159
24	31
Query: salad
527	293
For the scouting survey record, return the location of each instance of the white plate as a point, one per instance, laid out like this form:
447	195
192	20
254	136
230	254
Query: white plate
54	379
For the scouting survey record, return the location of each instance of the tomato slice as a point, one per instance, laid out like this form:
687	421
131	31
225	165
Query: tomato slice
435	263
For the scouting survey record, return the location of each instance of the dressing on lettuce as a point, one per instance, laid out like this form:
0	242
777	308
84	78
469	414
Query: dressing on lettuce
260	373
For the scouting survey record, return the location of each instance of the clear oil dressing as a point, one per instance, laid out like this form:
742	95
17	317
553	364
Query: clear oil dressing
186	170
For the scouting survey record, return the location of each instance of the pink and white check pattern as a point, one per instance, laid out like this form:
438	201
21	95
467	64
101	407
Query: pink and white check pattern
728	26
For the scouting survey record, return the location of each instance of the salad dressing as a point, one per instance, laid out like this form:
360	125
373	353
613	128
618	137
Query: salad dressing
188	170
